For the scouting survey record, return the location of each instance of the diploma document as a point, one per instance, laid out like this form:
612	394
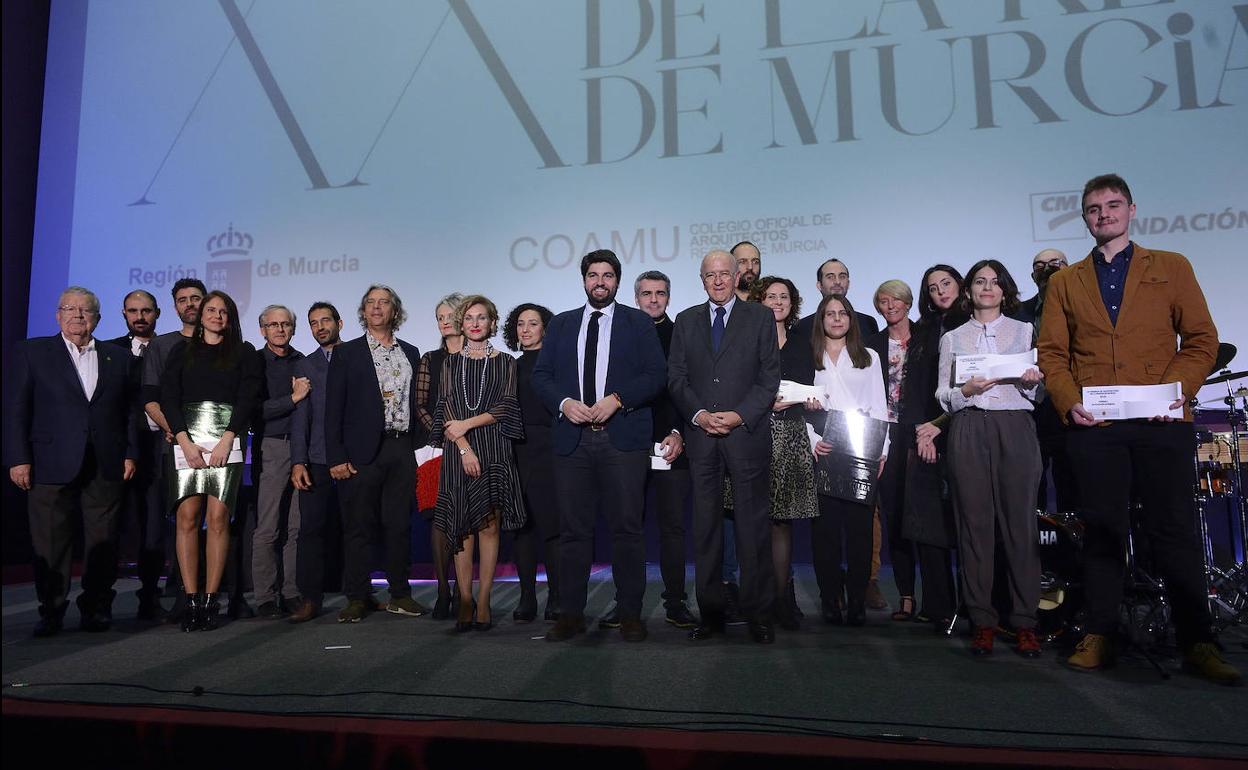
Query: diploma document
850	470
1132	402
993	366
795	392
179	457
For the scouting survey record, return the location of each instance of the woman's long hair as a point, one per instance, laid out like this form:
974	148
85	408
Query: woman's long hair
853	340
1009	289
225	353
927	308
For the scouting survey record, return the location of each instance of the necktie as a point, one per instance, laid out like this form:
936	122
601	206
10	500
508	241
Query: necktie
717	329
142	349
589	393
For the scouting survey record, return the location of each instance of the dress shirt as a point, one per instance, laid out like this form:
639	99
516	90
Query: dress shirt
604	349
395	379
727	306
1000	335
86	362
855	390
1112	278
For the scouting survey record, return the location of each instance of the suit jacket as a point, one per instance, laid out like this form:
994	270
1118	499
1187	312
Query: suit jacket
1026	311
307	424
866	325
1078	345
48	420
742	377
354	413
636	372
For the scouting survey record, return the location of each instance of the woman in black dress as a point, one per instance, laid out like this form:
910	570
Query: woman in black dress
524	330
476	420
209	392
428	378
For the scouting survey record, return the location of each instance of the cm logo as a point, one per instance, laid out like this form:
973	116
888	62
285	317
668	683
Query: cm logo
1057	216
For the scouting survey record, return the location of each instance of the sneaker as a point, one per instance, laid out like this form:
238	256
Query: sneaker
680	616
1204	660
1027	644
354	612
406	605
981	640
1093	653
611	619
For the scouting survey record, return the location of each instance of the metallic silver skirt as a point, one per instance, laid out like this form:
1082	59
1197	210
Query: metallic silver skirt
206	421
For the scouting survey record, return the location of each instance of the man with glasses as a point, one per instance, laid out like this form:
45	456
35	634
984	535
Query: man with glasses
1043	266
284	389
70	440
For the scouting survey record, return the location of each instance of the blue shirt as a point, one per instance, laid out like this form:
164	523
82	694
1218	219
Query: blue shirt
1112	277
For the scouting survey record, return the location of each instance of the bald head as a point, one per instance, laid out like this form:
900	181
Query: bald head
1046	263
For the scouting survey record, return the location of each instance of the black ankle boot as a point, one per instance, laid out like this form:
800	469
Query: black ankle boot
193	612
211	608
526	609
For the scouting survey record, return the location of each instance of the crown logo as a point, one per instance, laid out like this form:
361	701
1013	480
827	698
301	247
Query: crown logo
229	242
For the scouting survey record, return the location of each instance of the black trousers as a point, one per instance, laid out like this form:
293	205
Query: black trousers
144	510
747	461
892	486
671	490
1155	458
597	474
1054	460
52	508
539	537
842	526
317	508
383	491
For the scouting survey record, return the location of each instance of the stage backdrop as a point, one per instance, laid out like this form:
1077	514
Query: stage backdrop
292	151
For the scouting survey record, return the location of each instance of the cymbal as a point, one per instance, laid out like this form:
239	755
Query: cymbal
1226	377
1226	352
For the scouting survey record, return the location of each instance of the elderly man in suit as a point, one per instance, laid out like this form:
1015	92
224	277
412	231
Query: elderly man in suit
70	440
370	422
723	374
1112	319
600	368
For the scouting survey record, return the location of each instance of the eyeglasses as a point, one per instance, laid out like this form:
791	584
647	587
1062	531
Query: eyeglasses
1053	263
722	275
75	310
278	325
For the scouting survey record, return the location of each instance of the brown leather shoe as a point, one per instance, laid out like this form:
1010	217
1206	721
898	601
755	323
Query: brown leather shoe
633	630
566	628
1093	653
307	611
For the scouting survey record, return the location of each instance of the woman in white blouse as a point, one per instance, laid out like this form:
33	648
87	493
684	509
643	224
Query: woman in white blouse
850	373
994	458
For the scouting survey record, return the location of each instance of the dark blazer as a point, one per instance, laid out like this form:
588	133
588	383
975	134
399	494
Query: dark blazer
354	413
742	377
636	372
1027	310
866	324
48	421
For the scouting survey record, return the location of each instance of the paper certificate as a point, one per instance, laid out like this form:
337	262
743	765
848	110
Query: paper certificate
657	461
993	366
179	457
795	392
426	453
1132	402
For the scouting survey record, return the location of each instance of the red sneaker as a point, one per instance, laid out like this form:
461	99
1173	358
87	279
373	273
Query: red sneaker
1027	645
981	640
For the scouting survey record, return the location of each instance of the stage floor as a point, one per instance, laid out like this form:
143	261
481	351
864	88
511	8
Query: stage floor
889	680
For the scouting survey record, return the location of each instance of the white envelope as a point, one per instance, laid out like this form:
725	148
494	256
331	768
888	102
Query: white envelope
1132	402
796	392
657	461
994	366
179	457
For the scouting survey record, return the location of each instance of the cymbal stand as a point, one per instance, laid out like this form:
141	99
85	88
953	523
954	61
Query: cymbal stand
1145	610
1229	590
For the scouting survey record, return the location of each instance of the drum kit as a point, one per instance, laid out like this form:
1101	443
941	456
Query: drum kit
1218	486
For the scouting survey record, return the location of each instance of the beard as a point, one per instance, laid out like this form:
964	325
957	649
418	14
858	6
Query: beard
746	281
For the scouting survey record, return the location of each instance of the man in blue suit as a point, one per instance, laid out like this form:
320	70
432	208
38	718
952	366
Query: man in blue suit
600	368
70	440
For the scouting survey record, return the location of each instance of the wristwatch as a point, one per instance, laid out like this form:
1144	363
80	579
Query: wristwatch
463	450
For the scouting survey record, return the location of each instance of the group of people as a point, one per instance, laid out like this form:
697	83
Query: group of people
606	402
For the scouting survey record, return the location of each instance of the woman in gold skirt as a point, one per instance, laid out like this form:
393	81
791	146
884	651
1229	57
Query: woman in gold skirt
209	392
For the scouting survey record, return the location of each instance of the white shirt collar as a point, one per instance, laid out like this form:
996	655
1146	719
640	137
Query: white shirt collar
608	311
75	350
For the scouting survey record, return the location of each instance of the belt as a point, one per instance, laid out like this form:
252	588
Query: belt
597	426
396	433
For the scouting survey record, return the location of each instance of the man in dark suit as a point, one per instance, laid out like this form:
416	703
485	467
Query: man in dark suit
308	470
723	373
599	370
832	277
144	497
70	440
370	422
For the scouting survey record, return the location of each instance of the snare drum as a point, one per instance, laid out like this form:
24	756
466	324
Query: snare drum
1061	572
1215	475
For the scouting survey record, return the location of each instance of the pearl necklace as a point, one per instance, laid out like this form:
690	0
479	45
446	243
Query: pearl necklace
487	351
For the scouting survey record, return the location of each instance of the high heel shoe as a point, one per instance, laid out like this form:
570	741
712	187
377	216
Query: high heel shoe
193	612
463	616
210	612
442	607
526	610
905	612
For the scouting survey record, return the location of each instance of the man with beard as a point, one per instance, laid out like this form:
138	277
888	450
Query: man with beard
144	493
284	389
832	277
600	368
308	469
749	267
1049	429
